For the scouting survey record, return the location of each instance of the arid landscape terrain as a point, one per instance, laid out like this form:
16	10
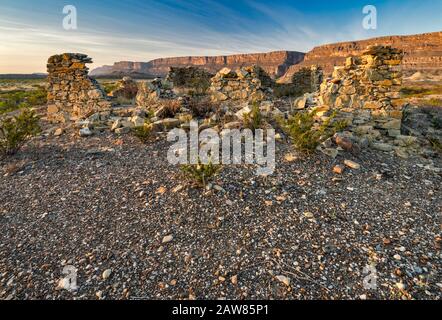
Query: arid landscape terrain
351	211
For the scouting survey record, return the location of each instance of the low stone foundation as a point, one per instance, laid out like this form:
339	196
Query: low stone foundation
72	94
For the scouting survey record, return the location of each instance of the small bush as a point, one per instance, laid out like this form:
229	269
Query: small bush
110	87
143	133
254	119
170	108
305	135
201	107
14	132
200	173
436	145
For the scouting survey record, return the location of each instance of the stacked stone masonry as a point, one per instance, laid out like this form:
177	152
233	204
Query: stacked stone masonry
71	93
152	91
246	84
308	79
365	90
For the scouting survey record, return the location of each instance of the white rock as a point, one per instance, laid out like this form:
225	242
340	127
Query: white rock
85	132
352	164
284	280
106	274
167	239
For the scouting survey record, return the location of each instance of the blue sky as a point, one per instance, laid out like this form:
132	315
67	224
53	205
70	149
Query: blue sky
116	30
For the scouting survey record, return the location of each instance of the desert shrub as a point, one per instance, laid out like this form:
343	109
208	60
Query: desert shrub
305	134
436	145
10	101
170	108
201	107
143	133
200	173
108	87
15	131
254	119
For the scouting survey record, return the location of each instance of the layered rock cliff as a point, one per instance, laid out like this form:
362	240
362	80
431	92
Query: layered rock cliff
423	52
275	63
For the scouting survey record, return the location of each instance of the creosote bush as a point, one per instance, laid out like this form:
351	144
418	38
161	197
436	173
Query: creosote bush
200	173
254	119
144	133
305	134
15	131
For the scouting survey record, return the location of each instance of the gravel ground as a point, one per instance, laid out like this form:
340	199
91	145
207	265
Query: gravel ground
127	221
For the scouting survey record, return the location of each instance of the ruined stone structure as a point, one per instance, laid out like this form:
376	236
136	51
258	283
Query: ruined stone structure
363	92
188	77
246	84
151	91
71	93
126	88
308	79
371	81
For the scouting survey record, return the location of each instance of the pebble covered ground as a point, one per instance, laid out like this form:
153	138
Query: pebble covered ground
133	228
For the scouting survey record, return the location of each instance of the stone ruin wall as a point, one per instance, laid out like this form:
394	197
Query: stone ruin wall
72	94
246	84
189	77
365	90
308	79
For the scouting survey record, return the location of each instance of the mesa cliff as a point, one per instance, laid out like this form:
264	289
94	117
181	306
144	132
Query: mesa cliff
423	52
275	63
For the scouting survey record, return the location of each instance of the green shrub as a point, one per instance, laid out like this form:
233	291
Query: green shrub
109	87
254	119
200	173
10	101
143	133
436	145
14	132
305	134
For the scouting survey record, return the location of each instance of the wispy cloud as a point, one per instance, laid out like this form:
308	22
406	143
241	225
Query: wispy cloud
144	30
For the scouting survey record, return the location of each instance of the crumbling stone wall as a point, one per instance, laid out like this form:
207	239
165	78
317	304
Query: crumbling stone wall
247	84
191	78
71	93
150	92
307	79
371	81
365	90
